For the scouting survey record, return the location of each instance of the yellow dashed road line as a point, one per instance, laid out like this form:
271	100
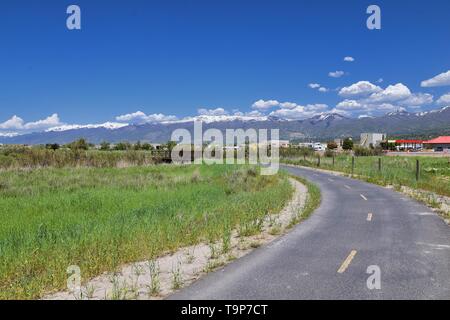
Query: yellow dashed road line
347	262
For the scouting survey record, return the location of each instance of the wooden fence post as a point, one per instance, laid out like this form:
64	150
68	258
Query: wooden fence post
417	169
379	164
353	164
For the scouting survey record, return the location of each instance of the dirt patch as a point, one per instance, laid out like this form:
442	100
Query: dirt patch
161	277
439	204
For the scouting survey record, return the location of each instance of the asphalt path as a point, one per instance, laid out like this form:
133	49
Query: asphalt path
363	242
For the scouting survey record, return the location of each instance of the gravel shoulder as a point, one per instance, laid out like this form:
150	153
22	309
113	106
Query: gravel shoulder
163	276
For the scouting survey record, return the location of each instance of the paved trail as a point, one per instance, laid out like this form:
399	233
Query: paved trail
327	256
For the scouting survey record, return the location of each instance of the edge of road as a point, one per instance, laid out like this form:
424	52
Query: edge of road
427	198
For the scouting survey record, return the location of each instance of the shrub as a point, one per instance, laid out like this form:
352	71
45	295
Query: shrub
105	146
347	144
366	152
80	144
329	153
332	145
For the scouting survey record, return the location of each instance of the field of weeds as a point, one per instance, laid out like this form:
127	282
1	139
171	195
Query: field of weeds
101	218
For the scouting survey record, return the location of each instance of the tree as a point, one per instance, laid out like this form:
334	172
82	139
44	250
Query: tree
80	144
122	146
137	146
52	146
170	145
147	146
105	146
347	144
332	145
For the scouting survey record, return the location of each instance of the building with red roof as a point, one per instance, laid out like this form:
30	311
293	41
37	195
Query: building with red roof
438	144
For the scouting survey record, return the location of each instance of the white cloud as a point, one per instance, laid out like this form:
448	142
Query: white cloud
392	93
336	74
300	112
212	112
50	121
140	117
398	93
288	105
359	89
254	113
440	80
17	123
417	100
14	123
349	59
444	100
385	107
314	85
319	87
393	98
264	105
349	105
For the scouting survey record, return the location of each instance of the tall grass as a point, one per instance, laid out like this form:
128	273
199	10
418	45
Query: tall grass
434	172
13	157
99	218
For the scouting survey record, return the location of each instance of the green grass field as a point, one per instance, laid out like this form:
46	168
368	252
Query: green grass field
100	218
434	171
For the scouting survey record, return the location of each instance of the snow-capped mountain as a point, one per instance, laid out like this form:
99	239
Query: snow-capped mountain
320	127
106	125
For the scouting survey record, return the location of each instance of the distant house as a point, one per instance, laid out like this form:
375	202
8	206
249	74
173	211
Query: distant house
306	145
372	139
280	143
439	144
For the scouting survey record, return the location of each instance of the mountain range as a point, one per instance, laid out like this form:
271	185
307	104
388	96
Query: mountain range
321	127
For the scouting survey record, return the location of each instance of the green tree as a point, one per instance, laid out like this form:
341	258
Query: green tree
105	146
52	146
137	146
80	144
147	146
122	146
170	145
347	144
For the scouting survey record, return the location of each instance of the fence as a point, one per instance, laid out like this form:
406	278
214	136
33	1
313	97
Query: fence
362	165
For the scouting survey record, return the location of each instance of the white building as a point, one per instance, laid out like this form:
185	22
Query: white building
372	139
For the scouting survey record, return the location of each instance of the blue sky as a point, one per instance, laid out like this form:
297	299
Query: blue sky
173	58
